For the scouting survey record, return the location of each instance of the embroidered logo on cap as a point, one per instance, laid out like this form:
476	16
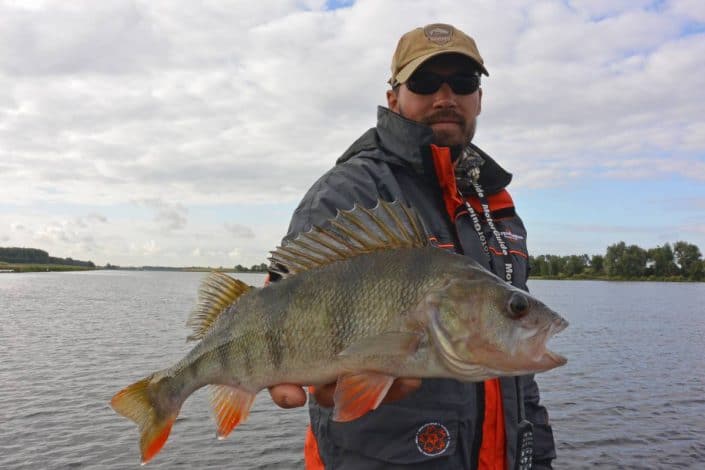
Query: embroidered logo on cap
439	34
432	439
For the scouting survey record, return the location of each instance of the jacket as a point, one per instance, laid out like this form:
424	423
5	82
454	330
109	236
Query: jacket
395	161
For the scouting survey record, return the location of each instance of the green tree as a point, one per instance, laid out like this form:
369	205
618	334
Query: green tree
625	261
538	265
597	265
688	258
613	258
556	265
663	260
574	264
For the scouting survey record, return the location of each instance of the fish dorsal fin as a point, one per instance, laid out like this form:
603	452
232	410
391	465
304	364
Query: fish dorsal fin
388	225
216	294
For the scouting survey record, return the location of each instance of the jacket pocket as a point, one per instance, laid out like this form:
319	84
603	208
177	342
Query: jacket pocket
398	435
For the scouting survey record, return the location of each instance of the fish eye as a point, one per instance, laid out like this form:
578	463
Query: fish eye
518	305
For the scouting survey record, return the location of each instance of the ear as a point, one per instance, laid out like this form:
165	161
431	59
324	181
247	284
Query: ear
393	100
479	101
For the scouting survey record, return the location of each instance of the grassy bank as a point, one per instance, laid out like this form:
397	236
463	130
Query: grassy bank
32	268
586	277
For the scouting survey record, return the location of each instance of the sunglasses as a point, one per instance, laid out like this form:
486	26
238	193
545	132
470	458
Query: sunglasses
427	83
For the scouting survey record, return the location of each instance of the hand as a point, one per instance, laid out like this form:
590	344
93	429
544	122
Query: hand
292	396
288	395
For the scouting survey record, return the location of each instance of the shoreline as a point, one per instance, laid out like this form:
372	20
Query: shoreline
38	268
27	268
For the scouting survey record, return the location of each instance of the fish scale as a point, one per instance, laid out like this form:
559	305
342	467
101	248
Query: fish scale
362	301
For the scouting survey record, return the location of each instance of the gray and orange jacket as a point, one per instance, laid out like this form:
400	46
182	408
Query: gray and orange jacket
446	423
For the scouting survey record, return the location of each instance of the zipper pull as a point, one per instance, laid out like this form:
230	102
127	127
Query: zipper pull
475	174
468	167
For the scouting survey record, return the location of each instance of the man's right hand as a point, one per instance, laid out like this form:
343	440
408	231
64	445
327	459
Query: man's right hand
293	396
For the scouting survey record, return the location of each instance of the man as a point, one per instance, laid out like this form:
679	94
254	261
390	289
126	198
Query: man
420	153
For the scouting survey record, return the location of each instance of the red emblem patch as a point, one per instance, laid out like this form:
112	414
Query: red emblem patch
432	439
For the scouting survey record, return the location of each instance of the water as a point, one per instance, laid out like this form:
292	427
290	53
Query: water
631	396
633	392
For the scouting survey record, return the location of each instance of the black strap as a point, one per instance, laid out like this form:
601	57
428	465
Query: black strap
477	226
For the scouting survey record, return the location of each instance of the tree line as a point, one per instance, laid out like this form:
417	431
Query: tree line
36	256
680	261
255	268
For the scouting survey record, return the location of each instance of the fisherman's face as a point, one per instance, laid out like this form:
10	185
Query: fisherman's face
451	116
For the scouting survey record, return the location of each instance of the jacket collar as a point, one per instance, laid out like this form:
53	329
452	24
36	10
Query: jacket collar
403	138
405	142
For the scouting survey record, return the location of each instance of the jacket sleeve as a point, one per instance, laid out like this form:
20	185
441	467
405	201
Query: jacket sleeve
544	445
319	205
339	189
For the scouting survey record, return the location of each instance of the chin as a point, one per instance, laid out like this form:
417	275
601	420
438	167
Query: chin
444	140
448	137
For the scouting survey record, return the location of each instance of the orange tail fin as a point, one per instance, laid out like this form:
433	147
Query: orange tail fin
137	403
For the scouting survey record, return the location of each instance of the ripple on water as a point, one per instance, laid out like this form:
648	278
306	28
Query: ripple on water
631	396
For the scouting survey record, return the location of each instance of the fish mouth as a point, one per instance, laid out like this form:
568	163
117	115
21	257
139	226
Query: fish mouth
544	357
494	362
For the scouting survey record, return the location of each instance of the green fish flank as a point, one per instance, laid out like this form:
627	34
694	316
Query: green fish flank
361	302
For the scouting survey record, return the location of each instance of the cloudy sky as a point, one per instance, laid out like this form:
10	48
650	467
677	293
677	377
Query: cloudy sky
138	132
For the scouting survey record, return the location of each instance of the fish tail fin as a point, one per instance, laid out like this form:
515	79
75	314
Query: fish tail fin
231	406
141	403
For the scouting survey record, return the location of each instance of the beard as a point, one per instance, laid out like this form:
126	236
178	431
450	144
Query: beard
461	134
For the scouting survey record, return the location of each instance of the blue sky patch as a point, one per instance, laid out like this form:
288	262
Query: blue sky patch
337	4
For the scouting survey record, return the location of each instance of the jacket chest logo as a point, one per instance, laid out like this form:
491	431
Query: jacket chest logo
432	439
511	236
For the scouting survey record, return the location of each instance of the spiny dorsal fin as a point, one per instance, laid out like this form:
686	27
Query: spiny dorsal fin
389	225
216	294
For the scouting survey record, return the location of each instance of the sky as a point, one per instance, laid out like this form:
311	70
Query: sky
181	133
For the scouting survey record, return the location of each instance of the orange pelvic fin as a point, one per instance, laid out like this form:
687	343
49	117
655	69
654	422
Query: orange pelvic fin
135	402
231	406
356	394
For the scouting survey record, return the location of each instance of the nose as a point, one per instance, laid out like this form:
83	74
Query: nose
444	97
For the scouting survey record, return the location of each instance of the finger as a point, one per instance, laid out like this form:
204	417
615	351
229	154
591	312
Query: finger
401	388
288	395
324	394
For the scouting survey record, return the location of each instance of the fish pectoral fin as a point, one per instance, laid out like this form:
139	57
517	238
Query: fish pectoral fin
395	343
356	394
231	406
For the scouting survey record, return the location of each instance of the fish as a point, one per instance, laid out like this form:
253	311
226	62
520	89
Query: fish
362	300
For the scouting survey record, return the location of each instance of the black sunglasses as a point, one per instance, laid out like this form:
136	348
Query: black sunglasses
427	83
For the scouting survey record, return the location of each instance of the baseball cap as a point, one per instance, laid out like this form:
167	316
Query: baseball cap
420	44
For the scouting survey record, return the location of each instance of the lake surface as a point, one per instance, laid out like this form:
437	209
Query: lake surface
631	396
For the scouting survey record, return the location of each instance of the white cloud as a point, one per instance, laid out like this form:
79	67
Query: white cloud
239	231
177	105
168	215
147	249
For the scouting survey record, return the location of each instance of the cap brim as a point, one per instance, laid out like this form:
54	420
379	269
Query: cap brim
404	74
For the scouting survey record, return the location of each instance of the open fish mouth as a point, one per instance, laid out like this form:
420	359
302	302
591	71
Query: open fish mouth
533	357
547	359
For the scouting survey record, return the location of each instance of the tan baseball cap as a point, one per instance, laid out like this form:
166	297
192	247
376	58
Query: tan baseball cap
420	44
